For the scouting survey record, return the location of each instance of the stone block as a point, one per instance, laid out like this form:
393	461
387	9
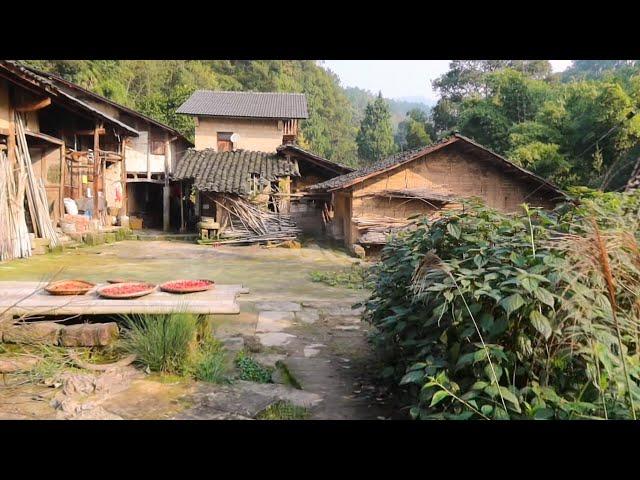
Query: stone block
44	333
88	334
308	315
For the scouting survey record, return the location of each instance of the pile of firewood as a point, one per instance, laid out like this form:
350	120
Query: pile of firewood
37	201
246	223
375	229
14	235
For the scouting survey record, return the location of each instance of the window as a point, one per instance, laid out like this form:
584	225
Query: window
224	142
157	148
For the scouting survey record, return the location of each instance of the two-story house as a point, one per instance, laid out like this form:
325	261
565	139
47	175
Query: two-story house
257	121
246	150
150	158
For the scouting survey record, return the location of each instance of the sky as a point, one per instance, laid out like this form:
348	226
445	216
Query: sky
399	78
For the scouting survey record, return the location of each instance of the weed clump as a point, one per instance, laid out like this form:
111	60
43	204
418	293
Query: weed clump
251	370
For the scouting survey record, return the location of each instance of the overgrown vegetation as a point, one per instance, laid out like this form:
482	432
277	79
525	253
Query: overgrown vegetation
283	411
251	370
178	343
356	276
536	315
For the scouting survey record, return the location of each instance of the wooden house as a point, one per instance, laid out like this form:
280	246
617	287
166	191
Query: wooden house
246	154
71	143
150	159
215	184
369	203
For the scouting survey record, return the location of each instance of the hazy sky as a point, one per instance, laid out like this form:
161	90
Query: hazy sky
399	78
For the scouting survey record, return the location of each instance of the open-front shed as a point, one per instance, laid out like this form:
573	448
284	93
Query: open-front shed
369	203
237	191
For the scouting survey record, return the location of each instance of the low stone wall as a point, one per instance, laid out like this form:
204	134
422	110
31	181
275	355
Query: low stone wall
52	333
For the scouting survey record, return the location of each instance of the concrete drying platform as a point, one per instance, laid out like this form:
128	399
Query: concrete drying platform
29	298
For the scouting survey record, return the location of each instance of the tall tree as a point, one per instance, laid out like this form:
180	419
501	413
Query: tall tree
375	137
415	130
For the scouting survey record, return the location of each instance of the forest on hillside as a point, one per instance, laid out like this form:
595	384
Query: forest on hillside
578	127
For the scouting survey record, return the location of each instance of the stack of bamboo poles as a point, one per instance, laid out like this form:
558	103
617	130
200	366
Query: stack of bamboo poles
14	235
35	190
249	224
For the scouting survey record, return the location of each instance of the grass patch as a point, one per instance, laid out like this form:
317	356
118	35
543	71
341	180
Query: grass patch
162	343
283	411
356	277
177	343
251	370
209	362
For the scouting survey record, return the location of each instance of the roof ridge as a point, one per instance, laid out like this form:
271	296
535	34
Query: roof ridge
249	91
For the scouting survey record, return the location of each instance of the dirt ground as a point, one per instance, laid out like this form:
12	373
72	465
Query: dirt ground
309	326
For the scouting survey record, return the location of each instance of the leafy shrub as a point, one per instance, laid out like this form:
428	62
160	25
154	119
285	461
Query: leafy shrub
356	276
484	315
162	343
251	370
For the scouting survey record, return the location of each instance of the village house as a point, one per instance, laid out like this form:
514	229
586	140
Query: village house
369	203
150	159
258	121
70	143
246	164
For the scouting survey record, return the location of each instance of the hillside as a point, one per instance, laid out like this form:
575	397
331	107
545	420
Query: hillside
158	87
359	99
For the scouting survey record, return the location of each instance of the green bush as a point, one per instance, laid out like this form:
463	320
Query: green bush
486	315
251	370
162	343
209	362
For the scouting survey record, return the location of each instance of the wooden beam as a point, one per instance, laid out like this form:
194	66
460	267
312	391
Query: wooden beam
123	171
33	106
101	131
96	168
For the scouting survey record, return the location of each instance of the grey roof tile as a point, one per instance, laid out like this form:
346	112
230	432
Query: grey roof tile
246	104
409	155
230	172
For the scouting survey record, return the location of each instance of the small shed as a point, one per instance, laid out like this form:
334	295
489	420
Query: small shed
369	203
238	190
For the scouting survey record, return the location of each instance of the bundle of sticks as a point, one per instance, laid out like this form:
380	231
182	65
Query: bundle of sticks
35	191
245	223
376	228
14	235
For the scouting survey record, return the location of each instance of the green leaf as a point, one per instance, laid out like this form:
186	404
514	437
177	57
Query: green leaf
454	230
544	296
512	303
541	323
438	397
510	397
415	376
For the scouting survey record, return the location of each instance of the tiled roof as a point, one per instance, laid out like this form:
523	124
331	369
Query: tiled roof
306	154
60	82
230	172
246	104
403	157
343	180
18	69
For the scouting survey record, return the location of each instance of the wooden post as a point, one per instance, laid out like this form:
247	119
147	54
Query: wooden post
166	200
123	174
182	206
96	168
62	179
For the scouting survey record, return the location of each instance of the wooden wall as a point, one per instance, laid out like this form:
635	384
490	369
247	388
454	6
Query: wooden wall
453	170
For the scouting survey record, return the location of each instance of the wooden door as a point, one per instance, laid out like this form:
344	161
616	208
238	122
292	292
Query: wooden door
224	145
